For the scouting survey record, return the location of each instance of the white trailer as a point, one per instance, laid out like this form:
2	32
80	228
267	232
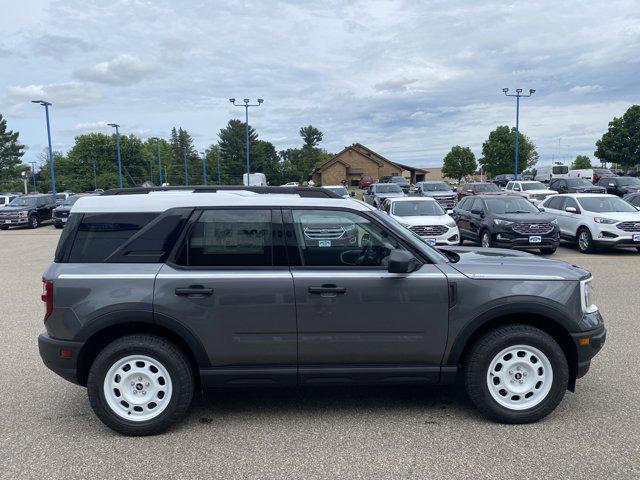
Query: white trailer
254	180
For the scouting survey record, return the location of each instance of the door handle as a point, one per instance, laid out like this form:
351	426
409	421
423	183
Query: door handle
194	290
330	289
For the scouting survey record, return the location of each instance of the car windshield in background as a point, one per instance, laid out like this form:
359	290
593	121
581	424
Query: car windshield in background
70	201
489	187
417	208
533	186
399	180
602	171
510	204
605	204
560	170
624	181
23	201
435	187
338	190
578	182
388	188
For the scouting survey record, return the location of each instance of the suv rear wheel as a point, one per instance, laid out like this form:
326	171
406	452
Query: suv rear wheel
33	221
140	385
516	374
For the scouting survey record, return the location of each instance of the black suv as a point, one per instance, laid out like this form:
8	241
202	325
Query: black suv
502	179
27	210
506	221
620	186
574	185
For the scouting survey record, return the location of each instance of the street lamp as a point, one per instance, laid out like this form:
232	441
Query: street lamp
246	106
33	175
186	172
116	126
204	166
46	106
518	95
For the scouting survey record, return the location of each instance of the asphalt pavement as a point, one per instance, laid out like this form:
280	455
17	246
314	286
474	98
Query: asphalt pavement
48	430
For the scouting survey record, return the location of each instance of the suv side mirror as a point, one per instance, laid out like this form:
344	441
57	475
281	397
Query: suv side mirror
352	193
571	210
401	261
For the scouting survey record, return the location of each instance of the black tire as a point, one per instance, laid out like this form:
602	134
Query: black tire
171	357
4	227
461	242
548	250
584	241
33	221
57	225
478	362
485	233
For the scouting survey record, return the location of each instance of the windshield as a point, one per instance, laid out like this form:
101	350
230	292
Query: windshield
533	186
388	188
339	190
71	200
628	181
399	180
605	204
560	169
417	208
435	187
578	182
489	187
502	205
23	201
602	171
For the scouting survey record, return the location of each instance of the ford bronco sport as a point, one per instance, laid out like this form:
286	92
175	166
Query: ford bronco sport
156	294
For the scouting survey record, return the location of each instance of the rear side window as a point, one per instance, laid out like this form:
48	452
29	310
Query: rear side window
555	203
101	234
229	238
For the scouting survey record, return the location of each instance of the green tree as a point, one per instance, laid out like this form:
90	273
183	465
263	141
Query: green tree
11	151
311	136
581	162
459	163
620	144
150	154
298	163
499	150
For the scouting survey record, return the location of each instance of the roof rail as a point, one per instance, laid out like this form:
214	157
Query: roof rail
305	192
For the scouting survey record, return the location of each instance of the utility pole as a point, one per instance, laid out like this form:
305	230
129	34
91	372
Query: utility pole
246	106
46	106
518	95
116	126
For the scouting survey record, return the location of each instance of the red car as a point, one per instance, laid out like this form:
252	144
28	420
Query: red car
366	182
478	188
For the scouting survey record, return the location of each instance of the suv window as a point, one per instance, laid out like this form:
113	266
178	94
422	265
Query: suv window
333	238
229	238
509	186
570	202
100	234
555	203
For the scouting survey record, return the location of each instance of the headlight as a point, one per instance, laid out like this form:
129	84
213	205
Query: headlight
587	296
554	221
497	221
606	221
451	224
23	213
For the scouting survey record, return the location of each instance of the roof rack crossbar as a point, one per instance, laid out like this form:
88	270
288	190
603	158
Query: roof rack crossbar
305	192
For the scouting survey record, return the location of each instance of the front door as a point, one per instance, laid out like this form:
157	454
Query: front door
356	321
229	285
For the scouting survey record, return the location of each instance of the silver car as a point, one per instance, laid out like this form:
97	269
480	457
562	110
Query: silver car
595	220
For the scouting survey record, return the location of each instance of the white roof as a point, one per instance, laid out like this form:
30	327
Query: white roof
161	201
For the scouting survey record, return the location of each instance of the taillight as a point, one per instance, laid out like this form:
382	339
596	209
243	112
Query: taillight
47	297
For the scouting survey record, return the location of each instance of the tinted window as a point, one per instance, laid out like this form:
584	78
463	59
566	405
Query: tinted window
578	182
628	181
329	238
464	203
488	187
510	204
570	202
555	203
417	208
100	234
23	201
229	238
560	169
435	187
533	186
388	188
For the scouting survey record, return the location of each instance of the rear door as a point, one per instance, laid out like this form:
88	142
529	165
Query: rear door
475	218
356	321
229	284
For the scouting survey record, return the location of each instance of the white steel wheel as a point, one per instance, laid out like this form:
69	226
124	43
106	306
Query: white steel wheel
519	377
137	388
486	240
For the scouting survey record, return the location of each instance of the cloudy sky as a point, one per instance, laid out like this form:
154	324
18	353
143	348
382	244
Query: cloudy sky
408	79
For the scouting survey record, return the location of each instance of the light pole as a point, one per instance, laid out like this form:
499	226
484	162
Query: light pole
46	106
116	126
186	172
518	95
33	174
246	106
95	176
204	167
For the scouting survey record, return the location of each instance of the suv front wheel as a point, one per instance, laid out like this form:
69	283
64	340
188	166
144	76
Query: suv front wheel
516	374
140	385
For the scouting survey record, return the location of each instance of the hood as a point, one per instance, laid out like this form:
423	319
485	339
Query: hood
541	191
477	262
424	220
390	194
620	216
526	217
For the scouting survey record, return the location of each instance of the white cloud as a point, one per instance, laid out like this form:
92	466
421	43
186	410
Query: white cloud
582	89
125	69
68	94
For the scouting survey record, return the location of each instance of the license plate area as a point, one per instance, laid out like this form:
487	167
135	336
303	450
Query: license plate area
430	241
636	238
535	239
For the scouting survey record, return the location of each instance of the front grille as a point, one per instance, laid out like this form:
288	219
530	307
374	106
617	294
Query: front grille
533	228
592	190
446	202
429	230
9	215
629	226
324	233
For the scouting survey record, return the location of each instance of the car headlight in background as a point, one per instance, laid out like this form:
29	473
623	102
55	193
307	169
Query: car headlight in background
587	296
606	221
497	221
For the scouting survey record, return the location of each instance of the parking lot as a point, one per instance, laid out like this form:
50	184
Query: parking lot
47	428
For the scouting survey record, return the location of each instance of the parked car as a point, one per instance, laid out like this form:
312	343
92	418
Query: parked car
151	297
291	184
535	192
61	213
27	210
402	182
62	197
444	195
617	171
502	179
574	185
633	199
366	182
546	173
591	174
377	192
478	188
595	220
506	221
385	179
425	217
6	198
620	186
340	190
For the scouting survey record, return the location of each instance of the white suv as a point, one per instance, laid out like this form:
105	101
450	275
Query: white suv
425	217
593	220
535	192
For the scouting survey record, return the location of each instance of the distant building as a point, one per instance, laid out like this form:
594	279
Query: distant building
356	162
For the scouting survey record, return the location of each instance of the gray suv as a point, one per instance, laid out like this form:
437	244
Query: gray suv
156	295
